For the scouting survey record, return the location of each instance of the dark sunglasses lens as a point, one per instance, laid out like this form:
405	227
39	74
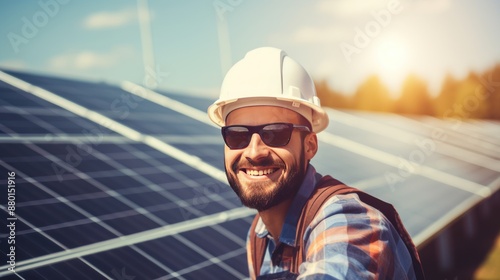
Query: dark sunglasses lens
276	135
236	137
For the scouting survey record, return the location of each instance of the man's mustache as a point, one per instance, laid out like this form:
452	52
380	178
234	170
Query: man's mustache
249	163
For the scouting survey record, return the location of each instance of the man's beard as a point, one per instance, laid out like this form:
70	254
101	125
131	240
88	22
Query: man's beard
256	196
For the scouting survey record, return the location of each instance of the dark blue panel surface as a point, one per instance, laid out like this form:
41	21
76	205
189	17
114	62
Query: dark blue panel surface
134	263
29	244
210	153
200	103
11	96
71	269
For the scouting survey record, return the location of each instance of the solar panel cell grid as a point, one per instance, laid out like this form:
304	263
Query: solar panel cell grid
34	169
63	271
129	222
75	234
200	103
346	166
23	122
165	125
132	209
17	124
36	245
213	154
14	98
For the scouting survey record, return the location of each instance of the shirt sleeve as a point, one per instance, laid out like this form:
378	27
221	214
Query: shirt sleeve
352	240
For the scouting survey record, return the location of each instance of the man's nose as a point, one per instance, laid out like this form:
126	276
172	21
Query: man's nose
256	149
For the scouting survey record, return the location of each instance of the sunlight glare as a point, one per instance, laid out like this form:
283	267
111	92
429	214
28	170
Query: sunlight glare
392	60
392	56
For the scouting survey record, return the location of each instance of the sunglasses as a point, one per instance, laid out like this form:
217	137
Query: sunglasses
272	134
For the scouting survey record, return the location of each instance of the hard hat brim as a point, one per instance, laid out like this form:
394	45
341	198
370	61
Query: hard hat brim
318	118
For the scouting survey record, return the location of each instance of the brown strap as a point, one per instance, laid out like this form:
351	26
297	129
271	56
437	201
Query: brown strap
326	188
257	247
318	198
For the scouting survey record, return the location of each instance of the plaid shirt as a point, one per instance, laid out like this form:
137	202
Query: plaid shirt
348	239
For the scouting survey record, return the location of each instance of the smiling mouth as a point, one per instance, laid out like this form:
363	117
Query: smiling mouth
261	172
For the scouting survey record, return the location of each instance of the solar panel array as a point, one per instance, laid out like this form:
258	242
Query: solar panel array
119	182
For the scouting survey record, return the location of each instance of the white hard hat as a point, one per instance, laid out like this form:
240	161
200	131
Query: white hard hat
268	76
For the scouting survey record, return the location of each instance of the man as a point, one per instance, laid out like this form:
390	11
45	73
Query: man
308	226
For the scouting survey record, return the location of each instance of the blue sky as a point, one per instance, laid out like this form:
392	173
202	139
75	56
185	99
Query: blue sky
342	41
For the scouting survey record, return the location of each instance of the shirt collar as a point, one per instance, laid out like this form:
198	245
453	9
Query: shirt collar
289	229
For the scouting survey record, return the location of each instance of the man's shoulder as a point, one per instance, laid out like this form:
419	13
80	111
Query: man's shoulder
343	209
346	217
348	230
332	197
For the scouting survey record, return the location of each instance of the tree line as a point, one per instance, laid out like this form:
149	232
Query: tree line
477	96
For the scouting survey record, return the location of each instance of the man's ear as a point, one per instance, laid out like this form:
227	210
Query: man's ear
310	146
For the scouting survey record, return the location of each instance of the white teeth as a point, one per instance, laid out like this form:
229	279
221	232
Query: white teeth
259	172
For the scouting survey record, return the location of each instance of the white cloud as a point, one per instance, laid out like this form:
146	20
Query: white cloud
86	60
13	64
321	34
342	11
350	8
432	6
355	8
110	19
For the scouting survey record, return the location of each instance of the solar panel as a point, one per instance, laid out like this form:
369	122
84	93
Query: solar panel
118	182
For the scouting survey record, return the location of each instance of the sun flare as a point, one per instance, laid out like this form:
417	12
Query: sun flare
392	59
392	56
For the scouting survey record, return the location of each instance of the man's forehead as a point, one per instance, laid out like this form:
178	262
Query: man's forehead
261	114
